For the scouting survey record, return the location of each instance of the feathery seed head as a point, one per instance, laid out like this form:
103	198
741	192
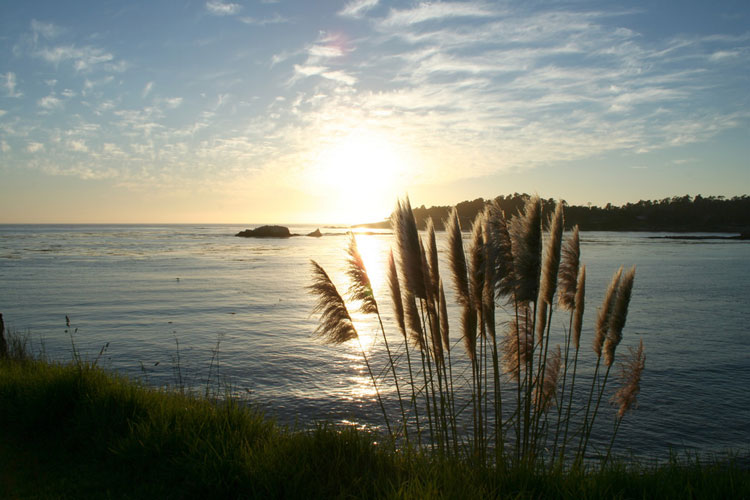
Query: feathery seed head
605	312
395	288
568	274
551	262
413	321
469	323
619	315
444	333
477	263
407	241
541	320
551	379
499	252
526	242
518	345
335	325
360	287
432	258
579	306
457	258
630	374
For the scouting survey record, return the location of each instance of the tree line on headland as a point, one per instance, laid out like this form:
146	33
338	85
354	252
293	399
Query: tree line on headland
676	214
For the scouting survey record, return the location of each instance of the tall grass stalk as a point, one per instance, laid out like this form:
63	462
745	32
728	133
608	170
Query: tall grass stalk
515	265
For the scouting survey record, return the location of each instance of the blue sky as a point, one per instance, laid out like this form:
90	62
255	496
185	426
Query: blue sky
299	111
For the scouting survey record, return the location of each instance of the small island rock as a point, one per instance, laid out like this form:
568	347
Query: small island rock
266	232
315	234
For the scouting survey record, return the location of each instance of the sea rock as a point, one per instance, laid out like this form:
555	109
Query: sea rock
266	232
315	234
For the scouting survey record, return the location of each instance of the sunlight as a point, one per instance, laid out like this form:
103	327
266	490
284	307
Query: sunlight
362	173
374	252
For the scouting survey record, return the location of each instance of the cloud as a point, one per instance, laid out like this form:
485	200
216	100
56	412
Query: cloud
721	55
4	147
78	146
324	51
472	88
254	21
50	102
173	102
357	8
307	70
339	76
219	8
89	85
147	89
436	11
46	30
9	84
84	59
2	112
34	147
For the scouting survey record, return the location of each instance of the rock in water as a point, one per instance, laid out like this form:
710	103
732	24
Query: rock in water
266	232
315	234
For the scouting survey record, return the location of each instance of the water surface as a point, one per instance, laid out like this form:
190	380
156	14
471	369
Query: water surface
157	293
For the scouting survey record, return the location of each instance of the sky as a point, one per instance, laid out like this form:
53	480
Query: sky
263	111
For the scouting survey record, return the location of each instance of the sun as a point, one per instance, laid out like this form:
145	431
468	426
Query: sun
362	174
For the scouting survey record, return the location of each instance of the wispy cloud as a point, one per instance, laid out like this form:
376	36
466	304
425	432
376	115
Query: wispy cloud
147	89
84	59
474	87
173	102
9	83
436	11
46	30
78	146
357	8
219	8
255	21
50	102
722	55
34	147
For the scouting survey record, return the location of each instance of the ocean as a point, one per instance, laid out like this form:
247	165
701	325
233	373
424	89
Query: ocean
195	305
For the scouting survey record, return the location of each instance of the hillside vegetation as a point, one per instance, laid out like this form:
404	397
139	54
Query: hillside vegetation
676	214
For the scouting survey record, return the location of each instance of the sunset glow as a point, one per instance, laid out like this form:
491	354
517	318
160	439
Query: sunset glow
363	173
291	111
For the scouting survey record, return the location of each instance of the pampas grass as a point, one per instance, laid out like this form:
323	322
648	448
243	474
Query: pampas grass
335	325
512	400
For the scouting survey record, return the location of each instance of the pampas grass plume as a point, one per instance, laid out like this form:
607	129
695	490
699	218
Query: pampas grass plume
410	255
568	274
457	257
619	315
602	319
551	262
335	325
444	328
395	289
526	240
579	306
630	374
477	263
360	287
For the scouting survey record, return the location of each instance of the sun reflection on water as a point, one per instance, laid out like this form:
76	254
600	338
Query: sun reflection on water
374	252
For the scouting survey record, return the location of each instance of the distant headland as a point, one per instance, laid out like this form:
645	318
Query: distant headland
273	232
714	214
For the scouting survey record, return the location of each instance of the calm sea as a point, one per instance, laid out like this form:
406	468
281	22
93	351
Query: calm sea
166	299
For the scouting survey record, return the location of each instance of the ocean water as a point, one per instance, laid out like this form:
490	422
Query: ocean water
193	304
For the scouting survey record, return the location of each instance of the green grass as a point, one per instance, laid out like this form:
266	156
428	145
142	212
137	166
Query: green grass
77	431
